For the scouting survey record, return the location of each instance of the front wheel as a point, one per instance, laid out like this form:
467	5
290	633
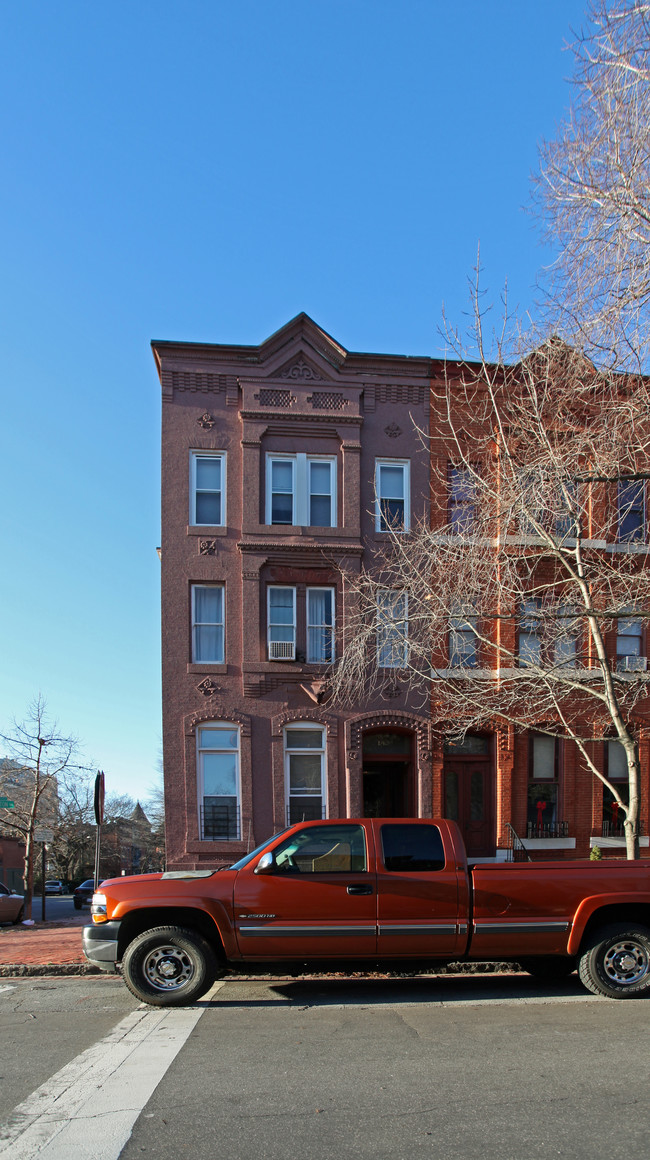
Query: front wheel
169	966
616	962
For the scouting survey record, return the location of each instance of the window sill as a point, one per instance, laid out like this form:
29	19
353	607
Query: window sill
222	670
206	530
614	843
228	846
635	549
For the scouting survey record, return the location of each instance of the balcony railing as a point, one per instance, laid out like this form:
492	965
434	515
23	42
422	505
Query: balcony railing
549	830
611	830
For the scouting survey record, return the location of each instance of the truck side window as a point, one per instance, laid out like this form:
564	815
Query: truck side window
407	847
323	850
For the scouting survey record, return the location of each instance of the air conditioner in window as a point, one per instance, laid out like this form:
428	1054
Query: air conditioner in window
281	650
632	664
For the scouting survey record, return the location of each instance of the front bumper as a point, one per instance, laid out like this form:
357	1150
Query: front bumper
100	944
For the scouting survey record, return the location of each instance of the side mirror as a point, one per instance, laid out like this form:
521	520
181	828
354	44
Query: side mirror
266	864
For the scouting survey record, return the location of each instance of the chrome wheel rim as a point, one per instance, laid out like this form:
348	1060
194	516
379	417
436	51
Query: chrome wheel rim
168	968
626	962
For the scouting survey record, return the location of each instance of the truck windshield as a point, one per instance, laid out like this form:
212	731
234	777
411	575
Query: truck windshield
258	849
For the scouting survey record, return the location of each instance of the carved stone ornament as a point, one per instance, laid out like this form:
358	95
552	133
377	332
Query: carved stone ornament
206	421
391	690
207	547
302	371
393	431
208	688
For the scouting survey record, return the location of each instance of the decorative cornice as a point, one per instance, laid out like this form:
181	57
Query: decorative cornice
303	416
323	548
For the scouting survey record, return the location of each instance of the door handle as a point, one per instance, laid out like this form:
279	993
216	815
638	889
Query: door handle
361	888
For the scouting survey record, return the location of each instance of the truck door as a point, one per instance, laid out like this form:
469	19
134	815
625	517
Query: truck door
316	899
417	892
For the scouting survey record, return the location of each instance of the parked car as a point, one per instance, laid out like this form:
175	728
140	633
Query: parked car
11	905
54	886
82	895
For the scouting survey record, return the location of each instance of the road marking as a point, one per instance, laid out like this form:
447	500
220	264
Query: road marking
88	1109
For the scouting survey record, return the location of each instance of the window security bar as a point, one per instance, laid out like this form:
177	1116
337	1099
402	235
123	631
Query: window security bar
302	811
220	823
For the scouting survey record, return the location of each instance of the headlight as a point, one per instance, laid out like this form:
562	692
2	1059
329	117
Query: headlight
99	899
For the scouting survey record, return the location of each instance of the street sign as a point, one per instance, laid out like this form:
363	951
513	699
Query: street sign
43	835
99	798
6	804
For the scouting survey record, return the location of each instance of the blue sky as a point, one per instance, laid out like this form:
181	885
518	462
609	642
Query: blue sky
203	171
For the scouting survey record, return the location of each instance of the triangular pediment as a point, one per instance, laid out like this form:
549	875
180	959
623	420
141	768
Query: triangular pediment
301	351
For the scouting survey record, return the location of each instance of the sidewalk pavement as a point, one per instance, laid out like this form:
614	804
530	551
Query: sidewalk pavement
46	948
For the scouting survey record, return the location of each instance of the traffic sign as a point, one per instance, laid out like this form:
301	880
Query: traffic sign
6	804
43	835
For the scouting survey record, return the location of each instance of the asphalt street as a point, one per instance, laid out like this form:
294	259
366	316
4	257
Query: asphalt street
473	1068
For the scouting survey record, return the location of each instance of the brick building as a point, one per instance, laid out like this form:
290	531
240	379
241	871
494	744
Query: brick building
280	464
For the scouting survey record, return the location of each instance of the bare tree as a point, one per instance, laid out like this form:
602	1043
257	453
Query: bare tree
37	755
592	191
520	603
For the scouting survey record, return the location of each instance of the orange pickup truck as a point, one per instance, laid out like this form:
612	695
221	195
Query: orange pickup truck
379	892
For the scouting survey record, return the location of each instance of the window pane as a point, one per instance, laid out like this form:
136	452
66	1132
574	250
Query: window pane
330	849
304	739
281	605
616	762
305	770
281	509
218	739
386	743
220	818
208	508
391	483
219	774
208	644
631	509
320	478
543	758
412	848
208	474
530	649
282	475
542	807
392	514
304	809
320	511
208	605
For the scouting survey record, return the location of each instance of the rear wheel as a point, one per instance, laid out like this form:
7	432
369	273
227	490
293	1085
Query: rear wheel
616	962
170	966
548	966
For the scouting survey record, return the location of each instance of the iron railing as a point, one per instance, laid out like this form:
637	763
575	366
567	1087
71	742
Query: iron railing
547	830
515	849
220	823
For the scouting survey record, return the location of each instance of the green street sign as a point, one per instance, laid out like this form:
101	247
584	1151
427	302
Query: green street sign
5	804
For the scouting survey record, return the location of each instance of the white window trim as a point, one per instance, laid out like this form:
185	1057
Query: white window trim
234	728
198	454
382	627
308	624
269	589
406	465
311	725
301	494
222	588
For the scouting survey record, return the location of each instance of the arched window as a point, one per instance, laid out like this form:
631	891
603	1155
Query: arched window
304	772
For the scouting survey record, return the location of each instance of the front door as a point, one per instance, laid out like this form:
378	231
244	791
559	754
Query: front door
469	795
387	775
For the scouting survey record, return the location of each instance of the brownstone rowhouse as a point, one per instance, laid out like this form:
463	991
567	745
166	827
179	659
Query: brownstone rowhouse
272	457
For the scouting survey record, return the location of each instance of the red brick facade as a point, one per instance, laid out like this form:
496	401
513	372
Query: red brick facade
256	439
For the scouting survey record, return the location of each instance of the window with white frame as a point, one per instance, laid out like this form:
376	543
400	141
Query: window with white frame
392	495
629	642
392	628
207	624
301	490
616	771
304	772
530	630
218	781
208	488
543	785
462	499
320	625
281	620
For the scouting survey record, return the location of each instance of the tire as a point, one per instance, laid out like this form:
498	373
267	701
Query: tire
169	966
548	967
19	916
616	962
77	905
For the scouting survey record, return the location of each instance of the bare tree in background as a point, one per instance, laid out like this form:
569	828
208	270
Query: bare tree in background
520	603
36	756
592	192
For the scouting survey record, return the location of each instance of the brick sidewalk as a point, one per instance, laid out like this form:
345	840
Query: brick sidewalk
45	948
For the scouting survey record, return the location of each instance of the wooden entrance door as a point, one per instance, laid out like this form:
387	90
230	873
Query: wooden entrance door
469	801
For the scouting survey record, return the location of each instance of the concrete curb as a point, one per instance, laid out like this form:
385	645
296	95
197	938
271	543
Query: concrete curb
35	970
